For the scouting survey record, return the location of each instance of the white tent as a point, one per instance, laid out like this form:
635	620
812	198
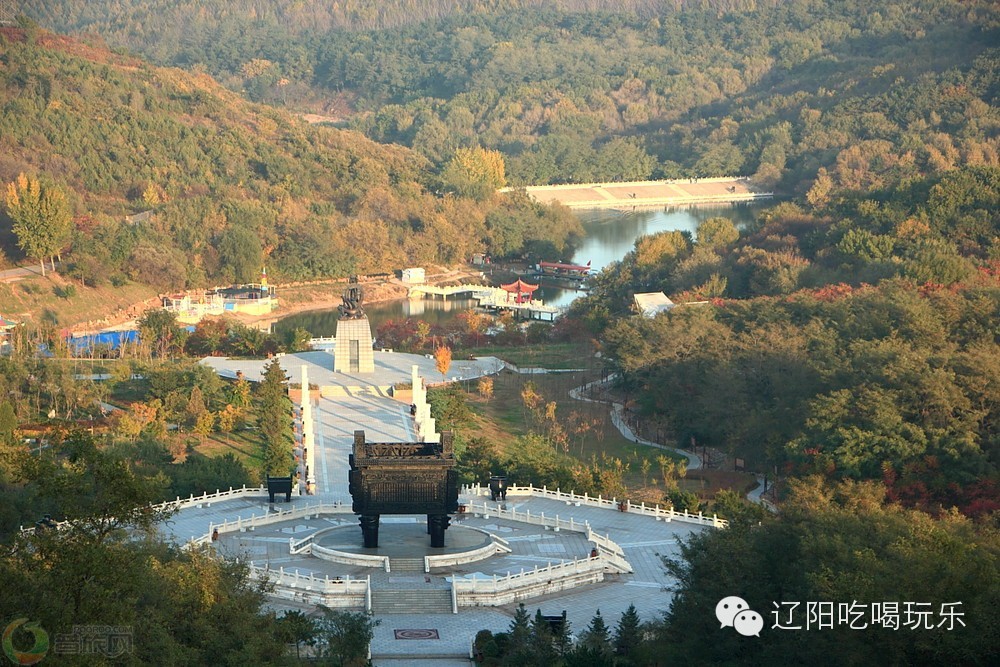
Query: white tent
650	304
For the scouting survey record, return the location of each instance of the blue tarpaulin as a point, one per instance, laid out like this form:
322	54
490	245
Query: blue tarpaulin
111	340
106	339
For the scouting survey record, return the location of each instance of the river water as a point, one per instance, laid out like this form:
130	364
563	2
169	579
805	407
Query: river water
608	236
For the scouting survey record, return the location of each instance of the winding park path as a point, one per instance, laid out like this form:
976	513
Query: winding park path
694	461
618	419
22	272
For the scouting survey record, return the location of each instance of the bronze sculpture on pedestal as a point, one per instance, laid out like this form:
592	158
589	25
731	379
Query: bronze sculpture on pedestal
403	478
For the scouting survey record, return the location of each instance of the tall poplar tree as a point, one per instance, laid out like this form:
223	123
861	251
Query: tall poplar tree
42	219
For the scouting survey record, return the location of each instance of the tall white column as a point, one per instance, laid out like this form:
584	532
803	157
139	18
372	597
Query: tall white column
307	474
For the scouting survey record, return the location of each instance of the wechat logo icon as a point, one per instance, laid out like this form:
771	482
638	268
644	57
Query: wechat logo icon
734	612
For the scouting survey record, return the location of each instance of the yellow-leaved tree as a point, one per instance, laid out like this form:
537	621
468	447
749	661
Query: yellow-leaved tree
475	172
41	216
442	359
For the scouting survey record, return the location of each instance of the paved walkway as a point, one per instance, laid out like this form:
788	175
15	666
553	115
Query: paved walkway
618	419
22	272
362	403
644	540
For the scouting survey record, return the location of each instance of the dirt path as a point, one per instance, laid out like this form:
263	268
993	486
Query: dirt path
20	273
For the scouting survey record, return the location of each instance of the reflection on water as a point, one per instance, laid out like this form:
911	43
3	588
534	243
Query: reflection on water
609	235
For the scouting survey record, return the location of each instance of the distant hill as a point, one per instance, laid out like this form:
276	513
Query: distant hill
135	21
231	184
594	90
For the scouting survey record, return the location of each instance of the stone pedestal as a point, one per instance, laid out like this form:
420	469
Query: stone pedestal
353	350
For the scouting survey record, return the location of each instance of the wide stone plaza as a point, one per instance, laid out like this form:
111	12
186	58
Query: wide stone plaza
552	550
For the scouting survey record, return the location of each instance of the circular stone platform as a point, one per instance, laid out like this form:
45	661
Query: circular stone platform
404	540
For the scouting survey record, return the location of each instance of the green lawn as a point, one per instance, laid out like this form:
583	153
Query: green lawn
545	355
244	445
504	416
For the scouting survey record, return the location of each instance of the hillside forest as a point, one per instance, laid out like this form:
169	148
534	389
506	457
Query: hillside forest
230	186
581	91
845	345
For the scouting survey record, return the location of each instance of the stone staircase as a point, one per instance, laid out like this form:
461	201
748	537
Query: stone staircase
406	564
411	601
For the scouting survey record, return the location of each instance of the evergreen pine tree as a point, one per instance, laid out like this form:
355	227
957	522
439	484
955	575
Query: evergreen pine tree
8	424
628	636
594	647
596	636
274	421
543	653
521	625
561	638
520	649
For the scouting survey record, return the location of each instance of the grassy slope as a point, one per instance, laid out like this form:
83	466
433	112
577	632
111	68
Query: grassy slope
502	418
36	300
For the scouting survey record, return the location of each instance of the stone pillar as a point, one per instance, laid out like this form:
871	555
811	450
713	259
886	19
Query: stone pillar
369	530
353	348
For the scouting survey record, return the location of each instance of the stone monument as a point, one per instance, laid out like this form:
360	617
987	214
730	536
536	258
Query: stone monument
403	478
352	352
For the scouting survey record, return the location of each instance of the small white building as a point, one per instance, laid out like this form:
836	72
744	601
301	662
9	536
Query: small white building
651	304
413	276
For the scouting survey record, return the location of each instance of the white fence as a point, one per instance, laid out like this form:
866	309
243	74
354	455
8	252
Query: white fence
497	545
206	499
608	551
661	514
539	519
255	520
294	586
499	590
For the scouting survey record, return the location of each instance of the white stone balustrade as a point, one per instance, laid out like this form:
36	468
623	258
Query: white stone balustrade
294	586
495	591
497	545
660	513
609	553
254	520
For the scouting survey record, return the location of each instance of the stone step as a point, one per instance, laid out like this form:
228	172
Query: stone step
406	564
386	659
403	601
